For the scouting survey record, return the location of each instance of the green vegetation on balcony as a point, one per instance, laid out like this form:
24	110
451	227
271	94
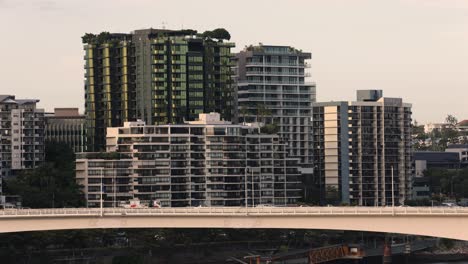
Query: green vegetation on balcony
269	129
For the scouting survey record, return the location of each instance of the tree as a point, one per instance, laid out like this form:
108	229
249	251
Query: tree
450	133
269	129
219	33
332	195
262	112
451	121
448	182
52	184
88	38
244	112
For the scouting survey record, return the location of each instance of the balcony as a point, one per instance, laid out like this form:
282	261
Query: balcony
159	51
278	64
265	73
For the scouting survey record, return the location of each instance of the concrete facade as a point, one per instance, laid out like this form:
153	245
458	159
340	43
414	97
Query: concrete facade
21	135
271	89
356	145
209	162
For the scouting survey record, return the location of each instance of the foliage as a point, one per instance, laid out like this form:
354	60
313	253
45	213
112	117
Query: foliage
269	129
262	113
451	120
135	259
438	139
421	202
332	195
447	243
50	185
219	33
448	182
188	32
90	38
244	112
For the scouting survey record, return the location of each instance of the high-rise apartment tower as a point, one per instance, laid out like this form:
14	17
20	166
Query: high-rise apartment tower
271	89
157	75
362	150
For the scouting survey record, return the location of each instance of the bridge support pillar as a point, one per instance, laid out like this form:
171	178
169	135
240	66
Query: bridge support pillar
387	254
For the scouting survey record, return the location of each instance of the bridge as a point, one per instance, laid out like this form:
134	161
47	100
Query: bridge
425	221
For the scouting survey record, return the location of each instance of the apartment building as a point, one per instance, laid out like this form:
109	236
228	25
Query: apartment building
21	135
272	89
156	75
362	149
66	125
208	162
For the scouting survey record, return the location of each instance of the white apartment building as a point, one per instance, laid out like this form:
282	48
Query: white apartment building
201	163
272	89
21	135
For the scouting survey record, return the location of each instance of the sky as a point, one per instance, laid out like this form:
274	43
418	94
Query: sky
414	49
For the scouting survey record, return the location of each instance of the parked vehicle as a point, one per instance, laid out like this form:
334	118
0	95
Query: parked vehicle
449	204
133	203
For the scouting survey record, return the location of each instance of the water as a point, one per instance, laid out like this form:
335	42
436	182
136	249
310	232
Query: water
458	262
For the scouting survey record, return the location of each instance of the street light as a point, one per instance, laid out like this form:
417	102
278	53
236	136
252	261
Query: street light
101	192
114	184
245	187
253	188
393	192
317	173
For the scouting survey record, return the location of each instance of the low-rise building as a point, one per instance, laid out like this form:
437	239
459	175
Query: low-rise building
424	160
462	126
430	127
201	163
461	150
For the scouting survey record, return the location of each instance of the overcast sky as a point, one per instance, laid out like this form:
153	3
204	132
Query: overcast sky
415	49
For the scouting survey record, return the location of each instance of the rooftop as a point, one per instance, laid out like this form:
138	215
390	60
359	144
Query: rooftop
456	146
10	99
463	123
436	156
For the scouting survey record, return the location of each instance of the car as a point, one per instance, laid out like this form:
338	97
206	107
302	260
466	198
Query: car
448	205
264	205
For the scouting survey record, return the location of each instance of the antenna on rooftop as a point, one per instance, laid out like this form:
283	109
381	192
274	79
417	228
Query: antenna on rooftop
163	25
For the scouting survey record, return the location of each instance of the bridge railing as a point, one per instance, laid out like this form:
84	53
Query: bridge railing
236	211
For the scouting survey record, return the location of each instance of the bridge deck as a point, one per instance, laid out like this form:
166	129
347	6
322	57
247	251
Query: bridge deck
238	211
427	221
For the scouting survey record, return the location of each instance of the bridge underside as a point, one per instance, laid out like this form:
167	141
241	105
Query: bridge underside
446	226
